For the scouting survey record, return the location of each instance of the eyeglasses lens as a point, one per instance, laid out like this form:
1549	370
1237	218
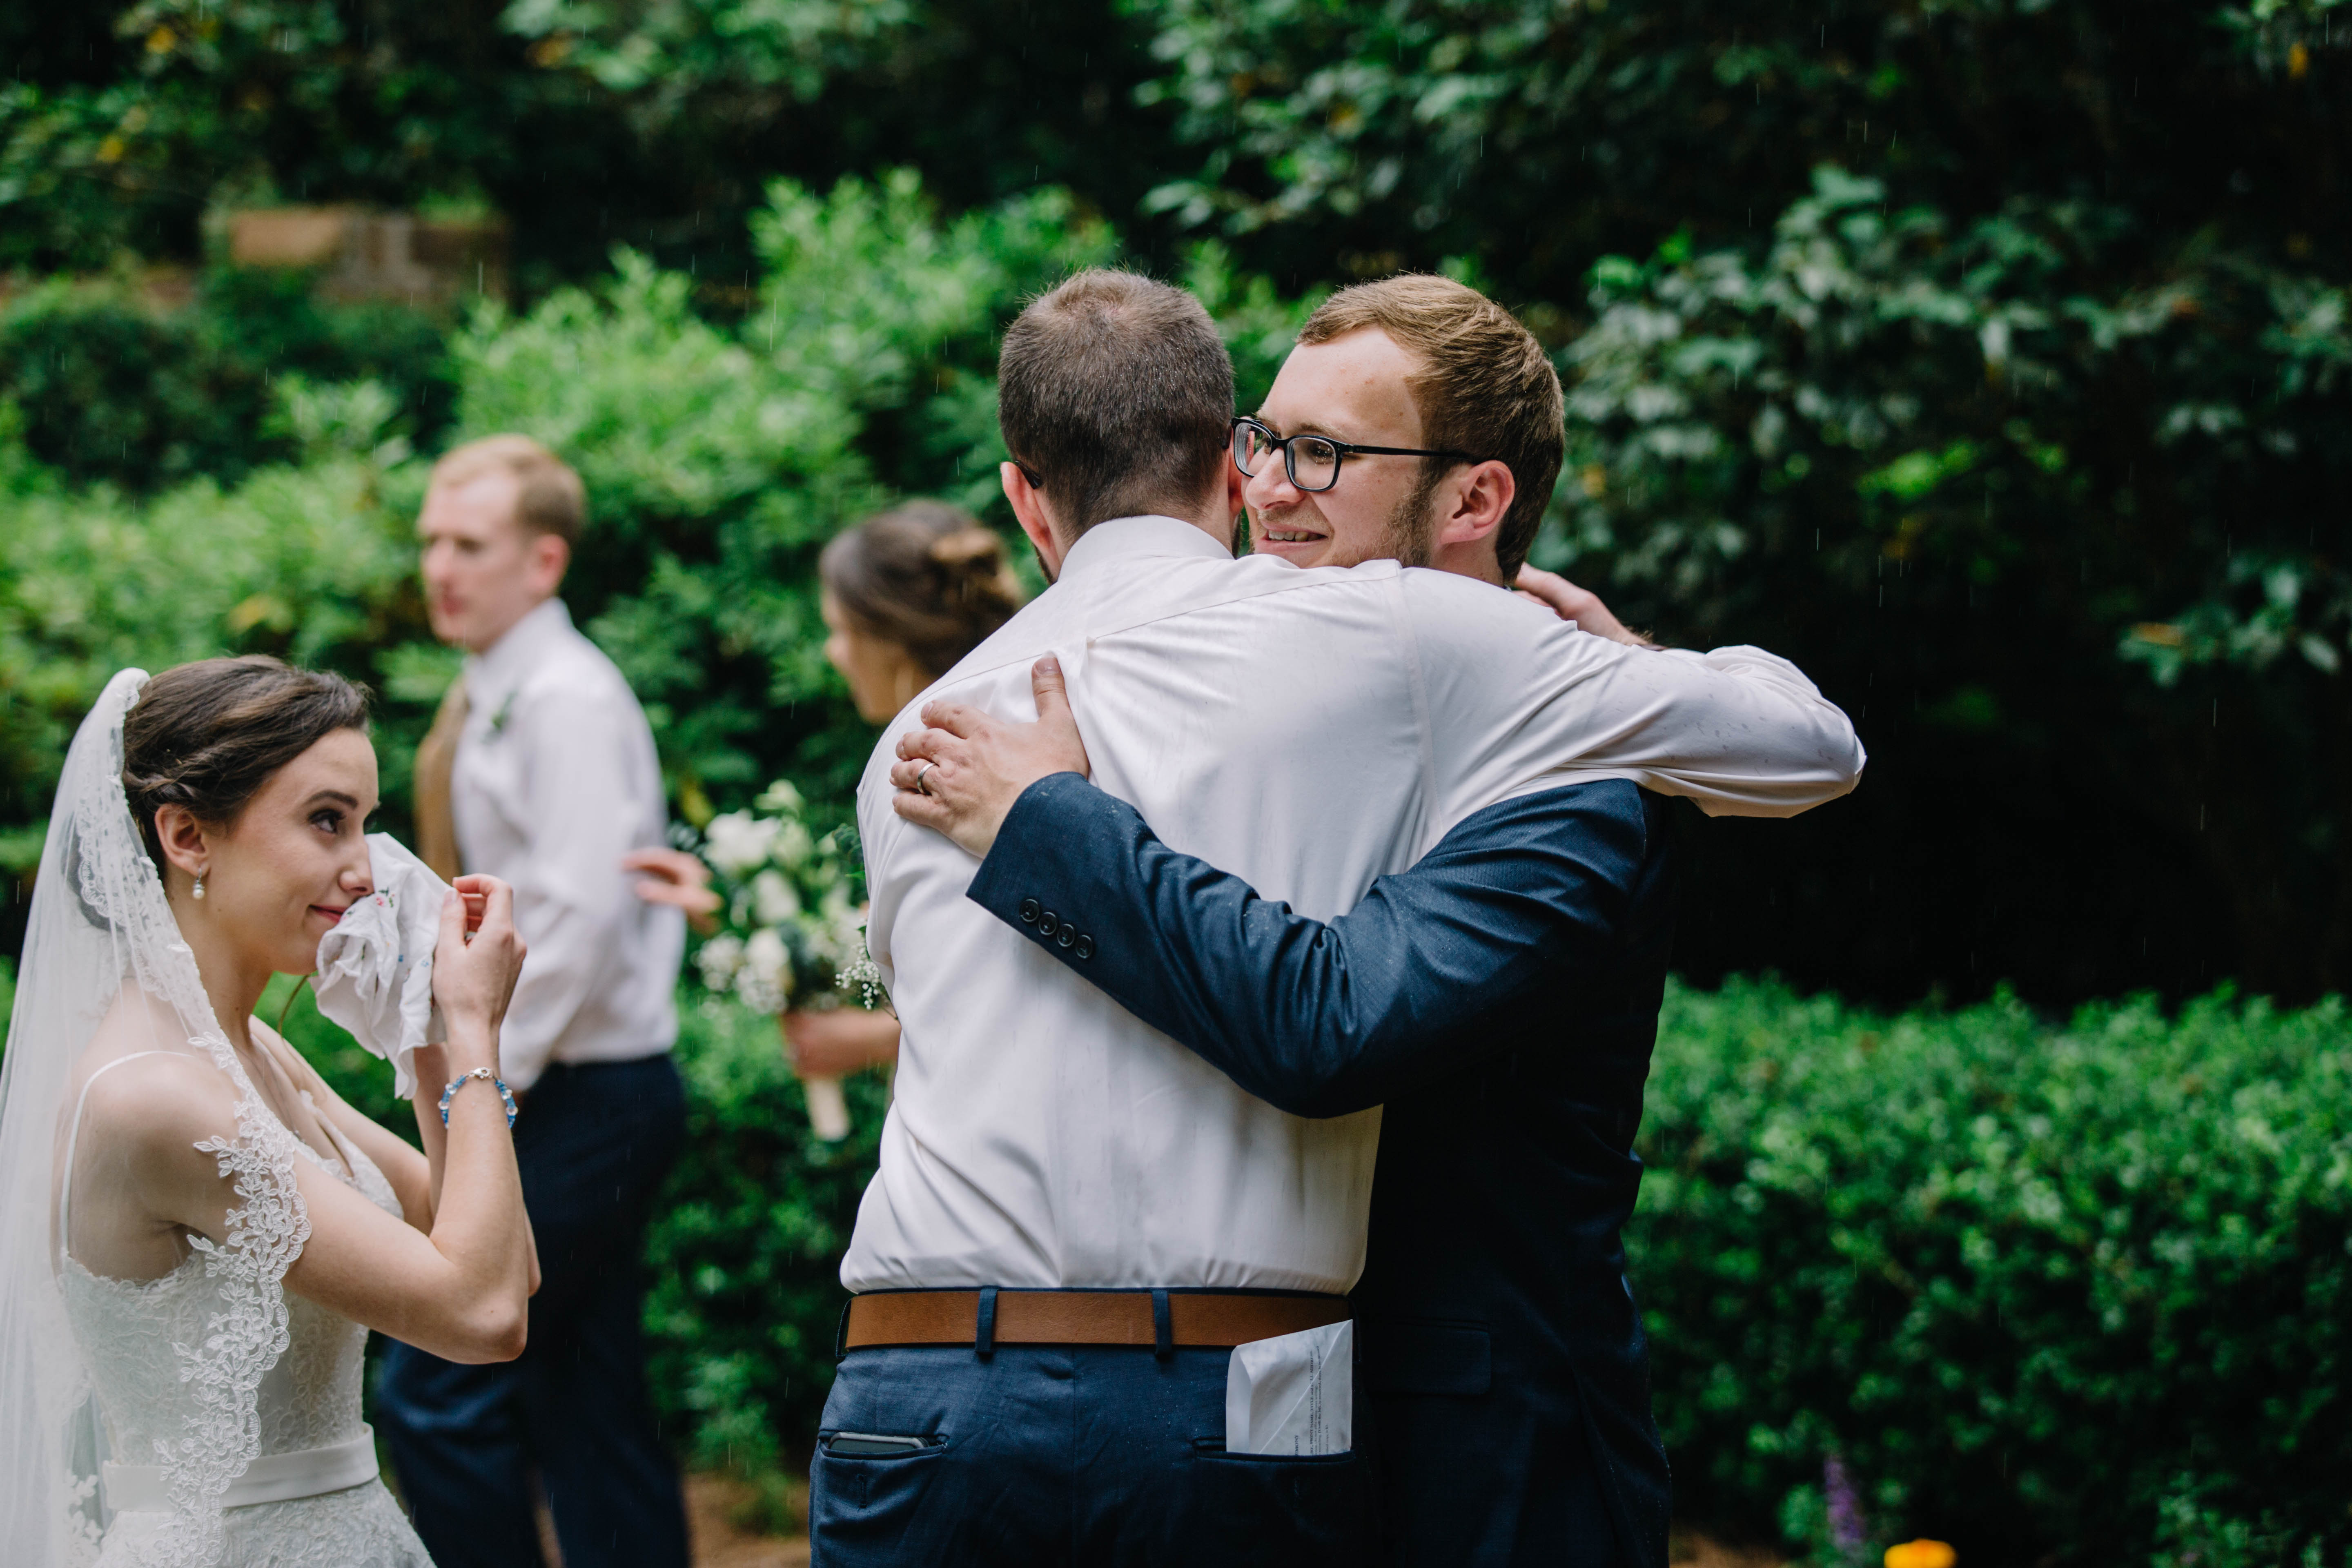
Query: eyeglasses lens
1314	463
1251	445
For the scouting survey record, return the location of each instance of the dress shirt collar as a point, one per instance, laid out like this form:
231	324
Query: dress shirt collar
510	657
1134	538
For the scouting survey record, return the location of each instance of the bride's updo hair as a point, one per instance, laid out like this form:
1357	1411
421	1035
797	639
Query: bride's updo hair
925	575
207	735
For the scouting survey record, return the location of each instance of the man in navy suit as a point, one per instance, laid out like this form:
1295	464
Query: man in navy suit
1501	998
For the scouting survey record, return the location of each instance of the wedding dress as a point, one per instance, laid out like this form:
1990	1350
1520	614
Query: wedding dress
202	1419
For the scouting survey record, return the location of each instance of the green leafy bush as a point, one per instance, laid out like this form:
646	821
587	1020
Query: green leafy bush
2066	1294
117	386
300	562
745	1255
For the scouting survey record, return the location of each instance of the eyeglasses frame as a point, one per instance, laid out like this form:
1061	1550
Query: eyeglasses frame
1342	452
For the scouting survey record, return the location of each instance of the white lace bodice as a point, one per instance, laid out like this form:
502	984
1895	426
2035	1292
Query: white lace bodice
136	1337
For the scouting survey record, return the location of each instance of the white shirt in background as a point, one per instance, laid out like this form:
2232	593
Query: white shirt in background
1308	731
555	779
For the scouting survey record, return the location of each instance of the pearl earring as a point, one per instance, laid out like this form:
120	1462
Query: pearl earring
200	884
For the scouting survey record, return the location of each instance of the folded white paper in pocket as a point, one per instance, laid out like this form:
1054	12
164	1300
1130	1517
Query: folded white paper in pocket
1295	1394
375	968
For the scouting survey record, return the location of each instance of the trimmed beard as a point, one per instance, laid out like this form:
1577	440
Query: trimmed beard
1410	537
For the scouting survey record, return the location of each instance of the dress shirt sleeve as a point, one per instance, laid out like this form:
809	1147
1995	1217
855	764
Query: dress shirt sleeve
1517	699
1325	1018
572	898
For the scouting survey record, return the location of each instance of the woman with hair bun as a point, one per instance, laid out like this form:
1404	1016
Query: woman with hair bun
907	594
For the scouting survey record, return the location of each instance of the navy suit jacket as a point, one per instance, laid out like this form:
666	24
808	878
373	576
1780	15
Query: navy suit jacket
1501	999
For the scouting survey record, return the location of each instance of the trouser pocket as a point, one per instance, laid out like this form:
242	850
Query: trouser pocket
1284	1508
867	1490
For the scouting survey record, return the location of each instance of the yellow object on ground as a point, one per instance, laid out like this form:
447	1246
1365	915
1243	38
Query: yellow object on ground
1921	1554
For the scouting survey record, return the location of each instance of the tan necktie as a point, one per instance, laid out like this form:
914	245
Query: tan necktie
437	756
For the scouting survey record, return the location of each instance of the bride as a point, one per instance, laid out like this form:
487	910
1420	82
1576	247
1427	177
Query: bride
195	1232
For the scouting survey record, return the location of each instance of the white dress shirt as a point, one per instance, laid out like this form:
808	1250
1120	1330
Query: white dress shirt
1308	731
555	779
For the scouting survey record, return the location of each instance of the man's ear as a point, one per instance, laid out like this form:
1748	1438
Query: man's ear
1029	508
1475	504
550	558
1471	507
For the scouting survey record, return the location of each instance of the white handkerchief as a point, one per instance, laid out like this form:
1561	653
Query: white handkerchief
375	968
1295	1394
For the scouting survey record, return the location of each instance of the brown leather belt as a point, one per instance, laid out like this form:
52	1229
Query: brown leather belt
1216	1318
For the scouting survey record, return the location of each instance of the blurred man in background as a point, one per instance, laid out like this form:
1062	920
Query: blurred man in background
540	770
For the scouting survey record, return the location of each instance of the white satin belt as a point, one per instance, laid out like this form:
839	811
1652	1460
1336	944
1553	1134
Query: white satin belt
272	1477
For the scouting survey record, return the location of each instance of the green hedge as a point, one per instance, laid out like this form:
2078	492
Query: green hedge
114	385
2055	1294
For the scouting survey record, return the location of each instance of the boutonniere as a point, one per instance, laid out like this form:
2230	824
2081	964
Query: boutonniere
498	720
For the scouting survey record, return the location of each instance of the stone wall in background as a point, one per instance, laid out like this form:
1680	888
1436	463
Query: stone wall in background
431	263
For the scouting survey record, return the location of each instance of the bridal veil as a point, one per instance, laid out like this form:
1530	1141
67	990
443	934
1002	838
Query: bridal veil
108	995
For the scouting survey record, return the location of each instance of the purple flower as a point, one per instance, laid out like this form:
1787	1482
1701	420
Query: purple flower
1848	1528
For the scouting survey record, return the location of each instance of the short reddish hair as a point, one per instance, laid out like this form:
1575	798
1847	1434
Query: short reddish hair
551	499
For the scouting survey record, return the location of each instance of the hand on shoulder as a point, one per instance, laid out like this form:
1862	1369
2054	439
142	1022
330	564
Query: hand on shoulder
961	774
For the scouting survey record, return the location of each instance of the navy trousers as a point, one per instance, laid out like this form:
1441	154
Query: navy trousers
595	1142
1084	1456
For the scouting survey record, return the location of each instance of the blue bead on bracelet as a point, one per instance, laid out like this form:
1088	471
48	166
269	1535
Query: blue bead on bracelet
487	1076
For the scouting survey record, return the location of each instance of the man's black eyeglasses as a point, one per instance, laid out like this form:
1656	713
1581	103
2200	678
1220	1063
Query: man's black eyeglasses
1313	462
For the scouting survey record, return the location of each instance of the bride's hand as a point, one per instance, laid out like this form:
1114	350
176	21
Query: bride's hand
961	775
473	972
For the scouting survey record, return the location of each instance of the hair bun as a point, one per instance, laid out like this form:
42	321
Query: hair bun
968	547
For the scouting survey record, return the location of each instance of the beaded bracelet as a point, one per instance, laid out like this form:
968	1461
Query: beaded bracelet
487	1076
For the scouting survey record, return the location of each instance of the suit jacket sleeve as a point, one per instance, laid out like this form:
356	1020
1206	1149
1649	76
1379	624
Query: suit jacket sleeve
1426	975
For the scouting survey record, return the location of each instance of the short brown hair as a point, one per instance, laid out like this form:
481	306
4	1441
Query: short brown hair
1486	385
1117	394
925	575
551	499
207	735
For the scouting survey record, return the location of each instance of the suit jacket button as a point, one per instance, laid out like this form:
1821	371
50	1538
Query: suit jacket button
1029	909
1048	923
1067	936
1086	948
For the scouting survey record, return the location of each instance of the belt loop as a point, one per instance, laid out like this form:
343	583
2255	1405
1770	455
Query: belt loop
983	1339
840	1334
1163	1331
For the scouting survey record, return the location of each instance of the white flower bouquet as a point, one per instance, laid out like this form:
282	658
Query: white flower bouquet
789	936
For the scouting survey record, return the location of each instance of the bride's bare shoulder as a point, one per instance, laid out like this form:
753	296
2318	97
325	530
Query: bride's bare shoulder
144	1084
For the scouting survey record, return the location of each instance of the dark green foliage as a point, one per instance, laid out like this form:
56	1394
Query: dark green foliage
2043	506
745	1260
1529	136
652	123
2045	1290
114	386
